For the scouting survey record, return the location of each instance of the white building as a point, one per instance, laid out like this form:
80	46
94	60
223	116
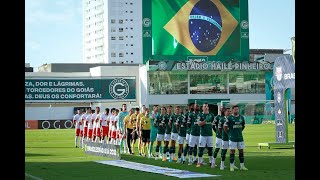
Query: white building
112	31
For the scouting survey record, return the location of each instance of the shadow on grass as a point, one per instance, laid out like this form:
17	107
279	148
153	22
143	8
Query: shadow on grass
33	154
262	167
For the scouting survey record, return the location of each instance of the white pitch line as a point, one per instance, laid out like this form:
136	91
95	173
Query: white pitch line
33	177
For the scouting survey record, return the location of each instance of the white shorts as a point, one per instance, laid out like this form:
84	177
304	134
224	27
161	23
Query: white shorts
234	145
167	137
174	136
218	142
206	141
194	140
181	140
160	137
187	138
225	144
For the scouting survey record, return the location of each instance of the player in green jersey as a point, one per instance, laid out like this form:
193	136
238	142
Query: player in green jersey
186	148
205	122
161	123
154	130
174	133
224	137
218	135
167	135
234	126
181	125
194	134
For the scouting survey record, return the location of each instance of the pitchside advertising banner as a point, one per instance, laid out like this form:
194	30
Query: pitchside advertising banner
101	149
84	90
284	78
215	29
49	124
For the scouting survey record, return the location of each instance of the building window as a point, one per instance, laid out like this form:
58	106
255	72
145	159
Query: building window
131	36
120	54
131	19
113	54
113	38
131	28
120	37
120	29
131	61
168	82
247	83
131	44
113	29
120	21
131	11
113	21
132	53
131	3
208	82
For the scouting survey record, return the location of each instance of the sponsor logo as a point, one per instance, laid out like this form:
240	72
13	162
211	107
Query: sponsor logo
155	169
162	65
289	76
31	124
55	124
146	22
279	122
147	33
278	97
279	73
244	24
100	149
119	88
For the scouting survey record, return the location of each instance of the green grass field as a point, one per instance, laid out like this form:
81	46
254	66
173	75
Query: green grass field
50	154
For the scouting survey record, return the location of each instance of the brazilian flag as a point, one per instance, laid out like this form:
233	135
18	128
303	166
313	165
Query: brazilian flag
213	28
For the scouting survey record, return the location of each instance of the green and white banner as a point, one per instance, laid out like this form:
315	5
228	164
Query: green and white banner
83	90
217	29
202	65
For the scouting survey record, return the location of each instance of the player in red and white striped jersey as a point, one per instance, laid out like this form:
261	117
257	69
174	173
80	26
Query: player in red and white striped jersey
89	125
85	125
77	122
96	123
113	127
104	125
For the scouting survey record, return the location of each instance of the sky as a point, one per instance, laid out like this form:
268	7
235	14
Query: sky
53	29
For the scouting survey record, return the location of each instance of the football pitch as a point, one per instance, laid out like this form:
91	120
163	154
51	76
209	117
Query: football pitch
50	154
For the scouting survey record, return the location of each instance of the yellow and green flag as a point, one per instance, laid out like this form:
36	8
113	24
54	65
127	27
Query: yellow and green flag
180	28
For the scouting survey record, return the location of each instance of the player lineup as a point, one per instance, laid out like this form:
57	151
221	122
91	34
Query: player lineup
160	129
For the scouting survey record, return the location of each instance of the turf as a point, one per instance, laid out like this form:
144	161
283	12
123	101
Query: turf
50	154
